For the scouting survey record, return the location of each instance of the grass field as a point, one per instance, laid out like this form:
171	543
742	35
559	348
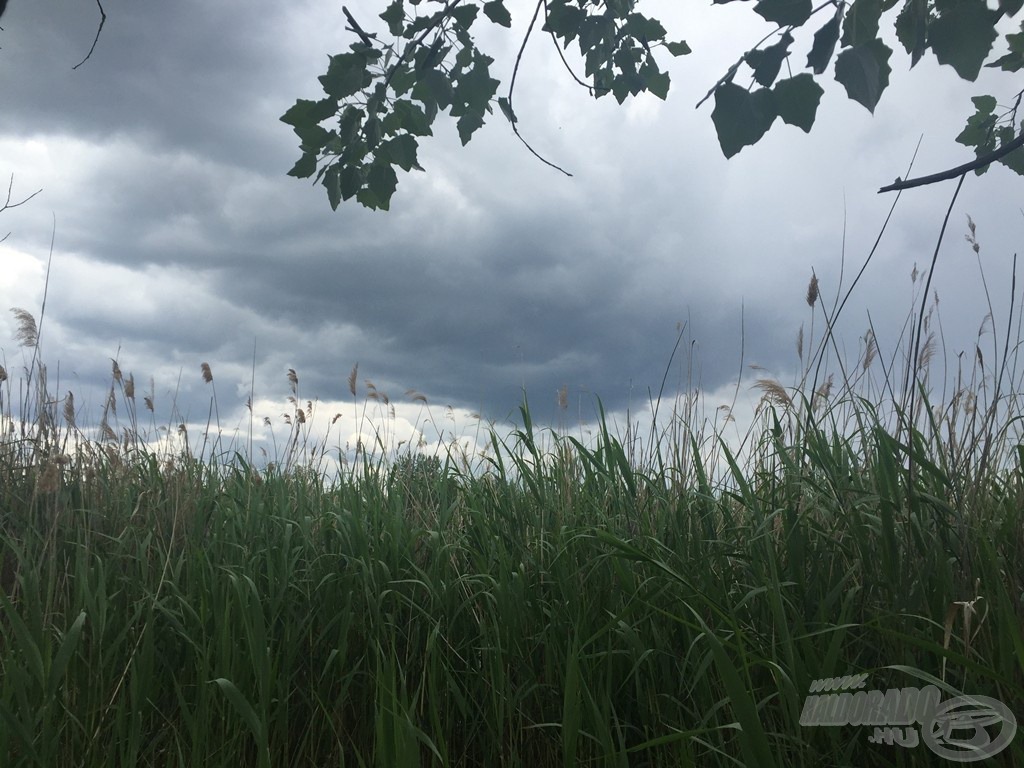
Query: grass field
664	598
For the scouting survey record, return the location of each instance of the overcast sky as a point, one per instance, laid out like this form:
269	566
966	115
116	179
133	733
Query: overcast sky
180	240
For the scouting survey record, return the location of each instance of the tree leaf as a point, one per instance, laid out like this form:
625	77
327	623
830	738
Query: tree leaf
346	75
350	181
767	62
980	129
382	181
1014	60
330	182
496	11
785	13
678	49
411	118
962	36
305	167
400	151
506	109
394	17
861	25
797	99
564	19
465	15
825	40
741	118
912	29
306	112
468	125
864	72
656	82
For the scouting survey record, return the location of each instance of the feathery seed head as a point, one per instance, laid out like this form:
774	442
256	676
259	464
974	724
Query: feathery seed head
352	379
27	334
207	373
812	290
69	410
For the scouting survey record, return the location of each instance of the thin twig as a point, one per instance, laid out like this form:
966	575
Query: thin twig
511	88
103	20
960	170
8	204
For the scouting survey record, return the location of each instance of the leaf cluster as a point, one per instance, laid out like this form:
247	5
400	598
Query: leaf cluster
383	95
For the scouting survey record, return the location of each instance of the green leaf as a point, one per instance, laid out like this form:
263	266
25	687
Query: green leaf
346	75
643	29
433	88
1015	160
474	89
306	112
64	653
381	181
657	83
330	182
305	167
861	25
244	708
465	15
394	16
678	49
506	109
564	20
411	118
864	72
797	99
980	129
785	13
350	181
468	125
767	62
373	130
912	29
496	11
741	118
825	40
962	36
400	151
1014	60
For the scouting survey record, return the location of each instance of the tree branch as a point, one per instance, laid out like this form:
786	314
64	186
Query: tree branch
511	88
960	170
103	20
367	39
8	204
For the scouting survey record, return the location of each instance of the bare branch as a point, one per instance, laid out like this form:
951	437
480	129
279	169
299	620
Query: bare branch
103	20
960	170
367	39
8	204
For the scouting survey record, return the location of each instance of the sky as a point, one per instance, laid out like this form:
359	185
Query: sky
178	239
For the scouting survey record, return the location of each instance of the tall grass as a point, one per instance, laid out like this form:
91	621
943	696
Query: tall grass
609	602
